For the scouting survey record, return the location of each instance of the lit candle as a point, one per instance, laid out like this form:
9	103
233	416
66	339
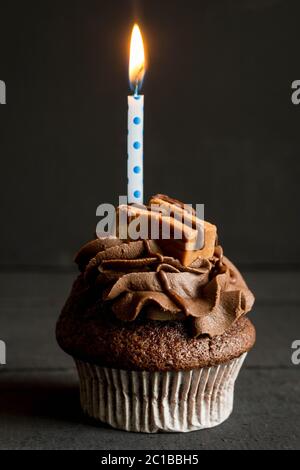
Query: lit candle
135	119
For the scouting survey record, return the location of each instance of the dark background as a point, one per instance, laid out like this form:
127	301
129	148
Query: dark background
220	127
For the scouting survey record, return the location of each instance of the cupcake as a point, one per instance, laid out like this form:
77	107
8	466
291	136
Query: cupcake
157	328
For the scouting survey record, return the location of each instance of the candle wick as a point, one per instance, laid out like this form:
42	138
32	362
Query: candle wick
136	90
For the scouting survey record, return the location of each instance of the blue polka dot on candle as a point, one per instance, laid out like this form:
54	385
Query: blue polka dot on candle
137	194
137	120
137	97
137	169
136	145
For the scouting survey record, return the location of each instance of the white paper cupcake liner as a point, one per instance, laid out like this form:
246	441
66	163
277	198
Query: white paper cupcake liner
175	401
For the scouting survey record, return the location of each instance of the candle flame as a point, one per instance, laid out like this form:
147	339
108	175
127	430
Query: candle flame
136	59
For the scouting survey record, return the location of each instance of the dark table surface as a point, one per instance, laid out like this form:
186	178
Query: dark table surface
39	400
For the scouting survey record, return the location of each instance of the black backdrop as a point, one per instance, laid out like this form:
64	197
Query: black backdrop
220	127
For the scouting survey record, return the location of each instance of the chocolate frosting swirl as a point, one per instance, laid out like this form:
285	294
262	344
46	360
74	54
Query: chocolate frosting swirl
135	278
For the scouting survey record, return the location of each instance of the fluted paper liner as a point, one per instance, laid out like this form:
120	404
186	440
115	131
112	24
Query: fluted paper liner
173	401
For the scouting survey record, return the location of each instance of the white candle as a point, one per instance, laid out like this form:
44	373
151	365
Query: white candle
135	141
135	148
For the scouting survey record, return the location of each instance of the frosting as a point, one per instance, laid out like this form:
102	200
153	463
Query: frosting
135	278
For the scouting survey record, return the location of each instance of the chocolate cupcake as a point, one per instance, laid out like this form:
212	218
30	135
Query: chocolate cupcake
158	336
